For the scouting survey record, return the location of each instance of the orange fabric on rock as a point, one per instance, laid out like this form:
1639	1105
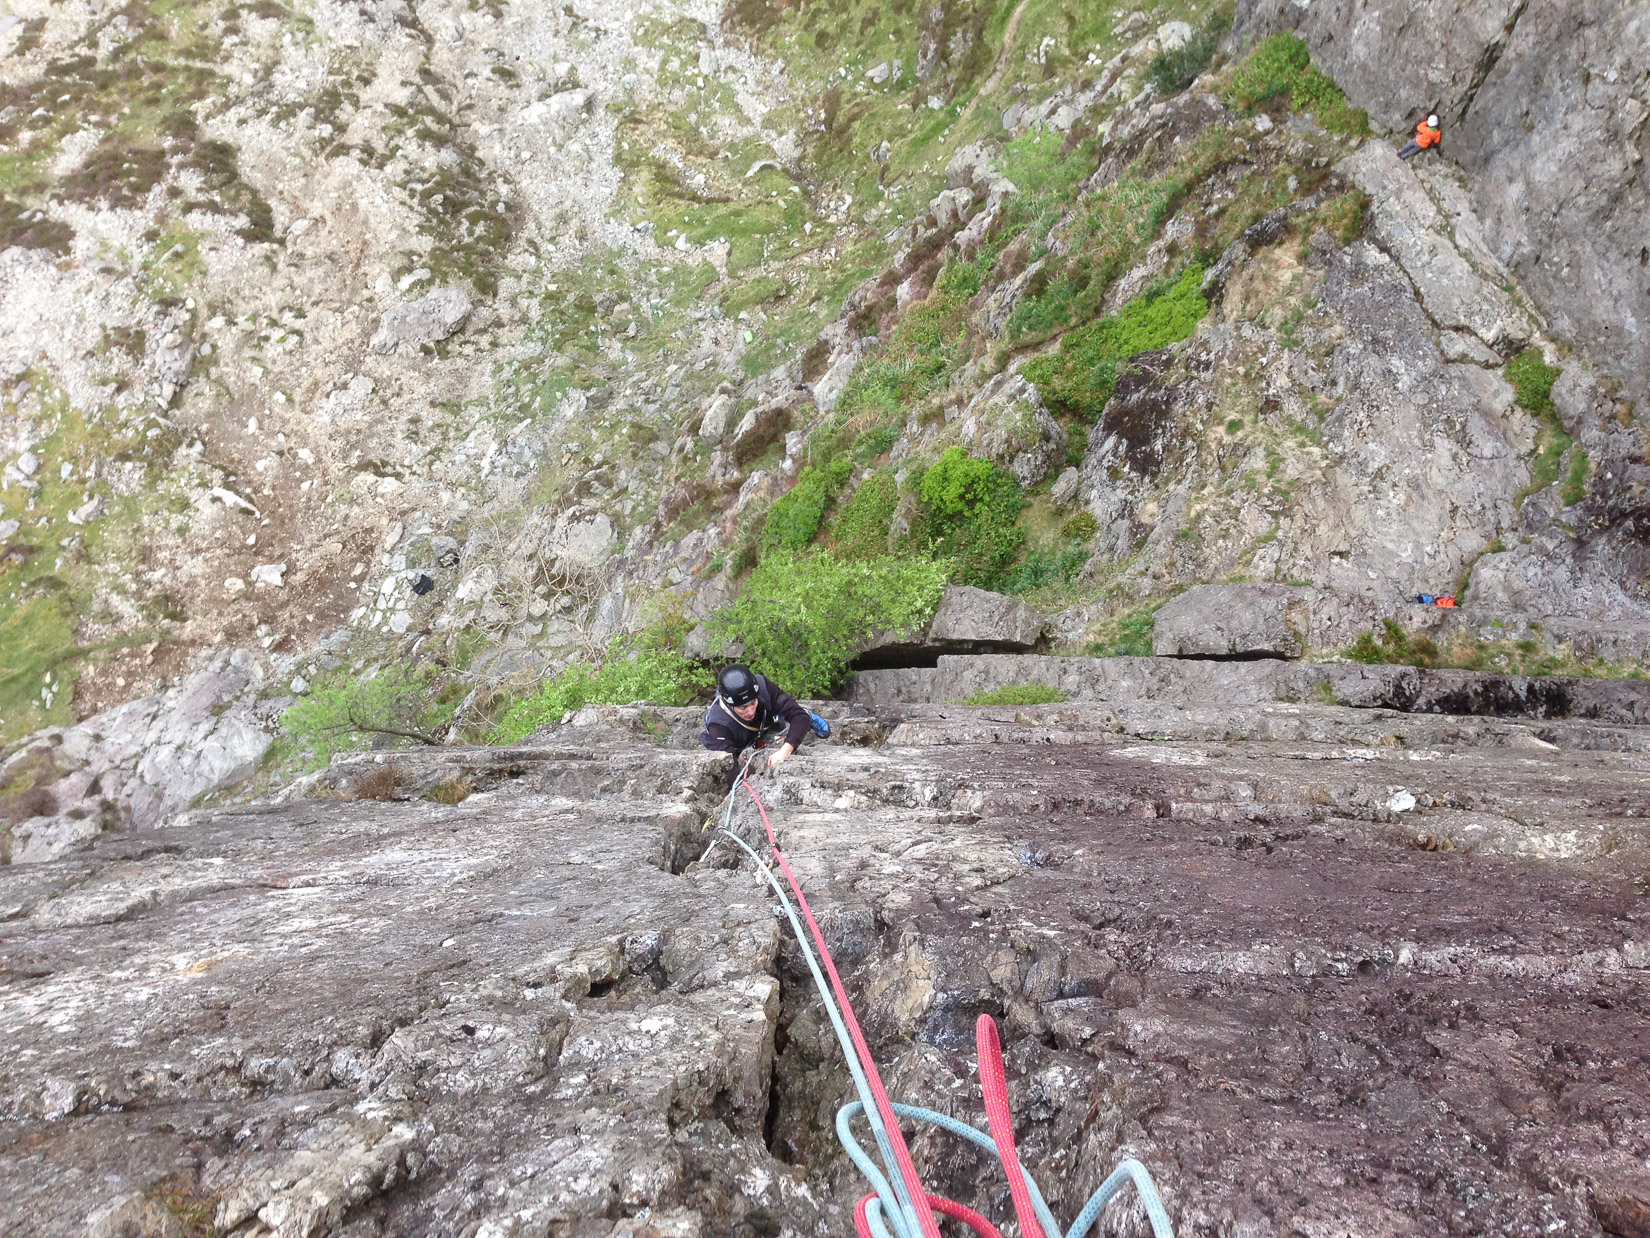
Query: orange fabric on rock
1426	135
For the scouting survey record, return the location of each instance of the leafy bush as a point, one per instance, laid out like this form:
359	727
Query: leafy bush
1532	381
1172	72
1080	527
1079	379
1018	694
793	520
1044	566
862	525
802	618
341	713
649	672
971	506
1280	67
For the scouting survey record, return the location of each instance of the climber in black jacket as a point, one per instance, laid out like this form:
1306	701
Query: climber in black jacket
747	707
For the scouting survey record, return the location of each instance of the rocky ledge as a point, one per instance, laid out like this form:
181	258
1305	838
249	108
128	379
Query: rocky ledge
1325	970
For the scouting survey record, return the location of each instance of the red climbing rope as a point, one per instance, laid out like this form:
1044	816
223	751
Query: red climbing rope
902	1154
994	1086
952	1209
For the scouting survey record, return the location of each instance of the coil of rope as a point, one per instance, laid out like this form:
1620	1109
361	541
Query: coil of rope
897	1206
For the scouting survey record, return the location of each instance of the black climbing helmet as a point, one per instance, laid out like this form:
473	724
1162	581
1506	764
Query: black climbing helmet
737	685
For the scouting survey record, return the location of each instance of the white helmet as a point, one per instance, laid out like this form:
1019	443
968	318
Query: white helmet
1432	121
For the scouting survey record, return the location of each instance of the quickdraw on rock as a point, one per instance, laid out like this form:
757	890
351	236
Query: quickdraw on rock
897	1206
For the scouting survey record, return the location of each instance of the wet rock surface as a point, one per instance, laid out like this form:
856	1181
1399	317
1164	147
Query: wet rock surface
1360	972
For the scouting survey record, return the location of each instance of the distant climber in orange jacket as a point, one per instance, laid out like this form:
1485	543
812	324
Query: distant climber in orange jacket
1427	137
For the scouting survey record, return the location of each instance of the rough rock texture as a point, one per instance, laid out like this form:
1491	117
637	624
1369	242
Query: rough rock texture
1387	939
1544	104
428	320
977	616
1233	621
1193	682
137	764
967	620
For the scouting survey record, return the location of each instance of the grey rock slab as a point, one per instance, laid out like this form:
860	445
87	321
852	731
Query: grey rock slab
1233	621
978	616
1006	422
135	765
1543	108
431	318
1188	683
1407	223
332	1016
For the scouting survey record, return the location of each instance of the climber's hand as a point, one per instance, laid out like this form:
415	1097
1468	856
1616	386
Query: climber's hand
779	756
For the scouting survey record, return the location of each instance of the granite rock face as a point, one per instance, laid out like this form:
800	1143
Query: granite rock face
1211	935
967	620
979	617
1544	104
135	765
1233	621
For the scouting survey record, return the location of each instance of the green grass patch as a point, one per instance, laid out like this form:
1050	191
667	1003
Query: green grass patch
1392	645
1532	382
649	671
863	526
1127	634
803	617
1018	694
1077	380
1280	69
1574	488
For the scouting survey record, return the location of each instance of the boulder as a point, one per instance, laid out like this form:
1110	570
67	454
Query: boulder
968	620
432	317
1234	621
978	617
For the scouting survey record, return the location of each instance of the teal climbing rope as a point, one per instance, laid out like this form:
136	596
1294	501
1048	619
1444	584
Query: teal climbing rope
897	1205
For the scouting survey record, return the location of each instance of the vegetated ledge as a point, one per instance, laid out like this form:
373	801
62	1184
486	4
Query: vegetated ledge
1197	682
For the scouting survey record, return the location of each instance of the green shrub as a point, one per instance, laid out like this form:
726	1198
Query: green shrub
1280	68
1018	694
1164	313
1079	379
1044	566
655	674
803	617
1532	381
971	506
793	520
862	525
1080	527
345	712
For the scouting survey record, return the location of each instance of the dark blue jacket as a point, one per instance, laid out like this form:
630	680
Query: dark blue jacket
725	733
